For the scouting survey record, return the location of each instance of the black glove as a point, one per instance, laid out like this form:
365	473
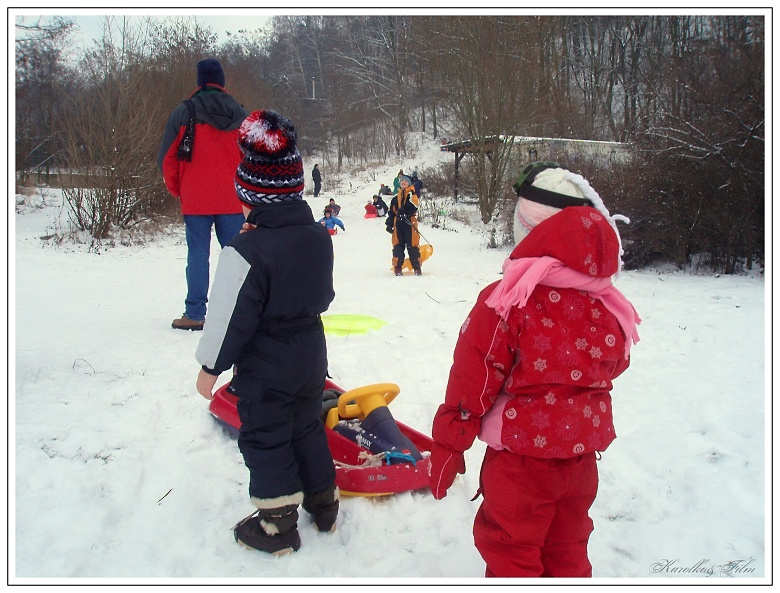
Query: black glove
389	229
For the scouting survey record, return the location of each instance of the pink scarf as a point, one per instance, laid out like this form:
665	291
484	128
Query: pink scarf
522	275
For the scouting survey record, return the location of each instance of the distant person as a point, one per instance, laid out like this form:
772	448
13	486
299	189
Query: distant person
329	221
417	183
531	376
397	181
334	207
384	190
269	327
380	205
198	158
316	177
402	224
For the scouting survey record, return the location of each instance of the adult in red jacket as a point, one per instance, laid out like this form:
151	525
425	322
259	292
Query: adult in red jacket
532	374
202	178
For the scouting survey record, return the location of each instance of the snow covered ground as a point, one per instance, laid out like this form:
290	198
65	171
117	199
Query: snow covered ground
119	474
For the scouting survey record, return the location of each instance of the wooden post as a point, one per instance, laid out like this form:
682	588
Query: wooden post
458	157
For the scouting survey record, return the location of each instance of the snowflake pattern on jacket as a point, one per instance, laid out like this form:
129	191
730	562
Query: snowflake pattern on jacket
553	359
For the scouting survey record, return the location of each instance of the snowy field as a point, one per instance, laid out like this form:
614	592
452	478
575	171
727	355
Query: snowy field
120	475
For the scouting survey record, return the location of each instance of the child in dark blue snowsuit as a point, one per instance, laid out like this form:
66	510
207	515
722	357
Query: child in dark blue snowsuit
380	205
271	285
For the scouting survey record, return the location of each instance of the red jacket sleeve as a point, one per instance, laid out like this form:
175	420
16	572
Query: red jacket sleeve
482	361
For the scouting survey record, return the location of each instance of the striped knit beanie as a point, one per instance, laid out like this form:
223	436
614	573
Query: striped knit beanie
271	169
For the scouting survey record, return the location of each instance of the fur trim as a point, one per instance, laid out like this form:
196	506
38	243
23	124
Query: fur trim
269	527
278	501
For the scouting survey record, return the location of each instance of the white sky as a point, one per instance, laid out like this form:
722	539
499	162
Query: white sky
220	24
90	23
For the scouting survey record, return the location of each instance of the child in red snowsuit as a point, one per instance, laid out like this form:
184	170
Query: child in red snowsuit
531	376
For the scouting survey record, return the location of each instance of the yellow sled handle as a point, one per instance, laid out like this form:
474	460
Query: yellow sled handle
362	401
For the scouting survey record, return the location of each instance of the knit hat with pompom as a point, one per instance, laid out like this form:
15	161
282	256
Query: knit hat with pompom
271	169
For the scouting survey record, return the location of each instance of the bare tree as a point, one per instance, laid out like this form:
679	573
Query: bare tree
111	134
41	82
706	143
245	61
490	108
376	63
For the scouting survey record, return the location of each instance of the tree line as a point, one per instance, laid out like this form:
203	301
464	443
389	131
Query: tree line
686	91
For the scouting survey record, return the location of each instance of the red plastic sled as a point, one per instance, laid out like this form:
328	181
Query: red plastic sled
356	471
333	231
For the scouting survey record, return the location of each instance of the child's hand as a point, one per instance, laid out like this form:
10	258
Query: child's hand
445	465
205	384
247	226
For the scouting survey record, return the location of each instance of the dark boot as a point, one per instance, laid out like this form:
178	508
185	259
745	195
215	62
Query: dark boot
270	530
398	265
417	269
324	507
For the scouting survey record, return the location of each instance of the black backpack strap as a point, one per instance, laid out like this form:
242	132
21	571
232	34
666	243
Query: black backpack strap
184	152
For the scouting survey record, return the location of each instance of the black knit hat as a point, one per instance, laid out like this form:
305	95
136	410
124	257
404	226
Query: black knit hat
271	169
210	71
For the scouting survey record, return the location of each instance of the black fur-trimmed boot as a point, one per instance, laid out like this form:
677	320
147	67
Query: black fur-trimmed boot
398	266
272	529
324	508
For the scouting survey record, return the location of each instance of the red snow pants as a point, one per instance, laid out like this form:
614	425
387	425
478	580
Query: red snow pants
533	521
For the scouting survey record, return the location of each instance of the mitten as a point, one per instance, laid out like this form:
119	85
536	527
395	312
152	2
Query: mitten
389	229
444	466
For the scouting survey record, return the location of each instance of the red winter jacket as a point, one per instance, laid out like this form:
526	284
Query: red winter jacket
554	359
204	184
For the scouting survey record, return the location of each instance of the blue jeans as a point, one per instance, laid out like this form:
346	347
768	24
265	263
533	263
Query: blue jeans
198	233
